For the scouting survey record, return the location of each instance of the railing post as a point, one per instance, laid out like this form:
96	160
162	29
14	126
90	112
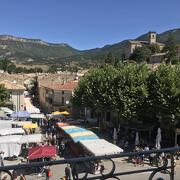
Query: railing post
172	166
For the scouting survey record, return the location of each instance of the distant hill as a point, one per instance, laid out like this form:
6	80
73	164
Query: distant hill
26	50
38	51
163	37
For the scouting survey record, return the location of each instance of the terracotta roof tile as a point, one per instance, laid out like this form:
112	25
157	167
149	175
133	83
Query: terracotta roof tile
70	85
10	85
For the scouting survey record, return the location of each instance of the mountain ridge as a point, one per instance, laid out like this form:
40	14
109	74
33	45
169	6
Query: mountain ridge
23	50
20	39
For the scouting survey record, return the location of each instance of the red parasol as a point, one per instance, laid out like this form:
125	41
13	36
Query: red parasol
42	152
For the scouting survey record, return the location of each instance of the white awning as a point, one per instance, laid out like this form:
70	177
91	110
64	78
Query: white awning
10	139
100	147
21	139
10	145
6	110
31	138
10	131
5	124
33	110
37	116
21	123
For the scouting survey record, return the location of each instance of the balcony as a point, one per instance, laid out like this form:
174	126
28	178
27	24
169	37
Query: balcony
110	170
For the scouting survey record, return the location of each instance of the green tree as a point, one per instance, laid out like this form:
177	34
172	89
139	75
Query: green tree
134	92
11	68
4	63
170	49
121	89
164	94
19	70
52	69
141	54
154	48
110	59
131	90
3	94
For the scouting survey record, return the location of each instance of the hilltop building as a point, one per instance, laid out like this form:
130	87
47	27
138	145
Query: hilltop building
132	45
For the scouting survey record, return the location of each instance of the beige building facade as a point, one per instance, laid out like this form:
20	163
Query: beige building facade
53	97
16	94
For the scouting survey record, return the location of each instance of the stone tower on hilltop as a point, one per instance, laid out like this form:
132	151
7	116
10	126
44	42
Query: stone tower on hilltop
152	37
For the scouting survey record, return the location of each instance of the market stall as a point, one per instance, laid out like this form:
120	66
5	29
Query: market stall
37	117
11	131
41	152
31	138
100	147
10	145
30	126
5	124
77	133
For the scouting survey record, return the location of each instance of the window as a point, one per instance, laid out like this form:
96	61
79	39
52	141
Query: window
62	92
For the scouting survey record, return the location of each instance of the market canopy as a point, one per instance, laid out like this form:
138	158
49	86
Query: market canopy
21	123
55	116
10	139
5	124
2	114
10	145
60	124
37	116
55	113
11	131
58	113
31	138
77	133
6	110
73	129
21	139
30	126
20	114
41	152
64	113
100	147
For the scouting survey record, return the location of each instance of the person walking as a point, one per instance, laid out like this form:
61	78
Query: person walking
74	172
22	177
1	158
68	172
48	173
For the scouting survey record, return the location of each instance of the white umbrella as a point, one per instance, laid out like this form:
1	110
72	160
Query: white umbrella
158	139
115	135
137	139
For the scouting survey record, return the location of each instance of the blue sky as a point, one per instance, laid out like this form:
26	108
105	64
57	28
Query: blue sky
86	24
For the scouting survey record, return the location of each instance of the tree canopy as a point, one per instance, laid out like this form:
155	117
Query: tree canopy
3	94
170	49
10	67
141	54
133	91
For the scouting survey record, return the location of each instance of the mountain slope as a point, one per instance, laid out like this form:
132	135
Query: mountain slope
21	49
37	51
99	54
163	37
